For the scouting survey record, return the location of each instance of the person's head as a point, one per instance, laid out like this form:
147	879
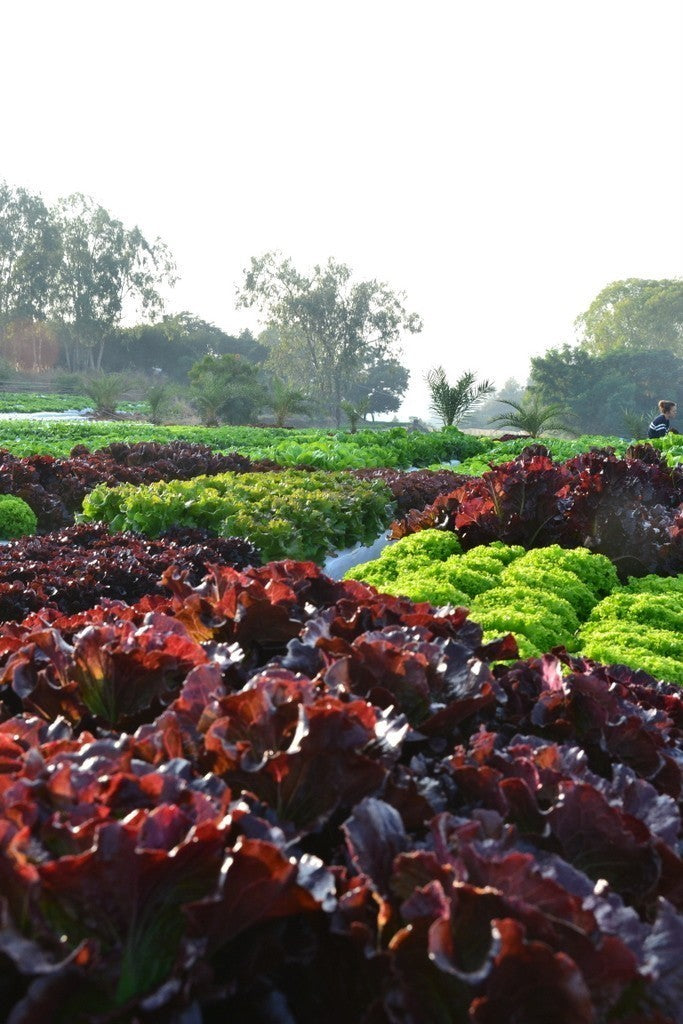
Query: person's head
668	409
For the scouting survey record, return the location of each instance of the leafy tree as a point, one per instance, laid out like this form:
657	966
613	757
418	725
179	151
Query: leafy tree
635	314
286	402
451	402
598	388
532	416
381	386
175	343
329	328
227	389
30	253
105	267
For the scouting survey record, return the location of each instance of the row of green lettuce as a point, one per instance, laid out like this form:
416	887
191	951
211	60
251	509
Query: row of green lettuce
19	402
394	447
300	514
547	597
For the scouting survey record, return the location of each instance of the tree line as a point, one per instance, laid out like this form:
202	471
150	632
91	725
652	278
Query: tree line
628	355
73	277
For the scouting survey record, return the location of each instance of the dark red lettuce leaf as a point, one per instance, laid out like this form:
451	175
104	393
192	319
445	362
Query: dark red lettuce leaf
628	509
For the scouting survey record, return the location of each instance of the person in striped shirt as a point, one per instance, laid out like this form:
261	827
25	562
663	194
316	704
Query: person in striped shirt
661	424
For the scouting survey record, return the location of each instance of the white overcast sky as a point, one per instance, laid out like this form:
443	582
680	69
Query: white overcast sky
500	162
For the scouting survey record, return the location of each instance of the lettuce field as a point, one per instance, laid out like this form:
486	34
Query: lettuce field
446	789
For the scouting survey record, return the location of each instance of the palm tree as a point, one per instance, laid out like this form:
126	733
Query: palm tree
209	400
106	391
531	416
452	401
159	400
635	422
286	401
354	412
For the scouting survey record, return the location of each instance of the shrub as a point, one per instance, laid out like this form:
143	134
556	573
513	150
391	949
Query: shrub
16	517
106	392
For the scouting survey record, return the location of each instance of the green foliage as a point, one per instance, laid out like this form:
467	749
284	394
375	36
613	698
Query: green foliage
174	344
354	413
523	598
636	423
106	391
417	560
599	387
559	448
286	402
433	544
104	266
289	515
30	254
465	577
226	388
427	586
533	416
71	383
380	385
324	449
327	329
16	517
542	596
512	390
434	559
635	314
160	399
451	402
640	625
594	570
555	580
542	629
12	401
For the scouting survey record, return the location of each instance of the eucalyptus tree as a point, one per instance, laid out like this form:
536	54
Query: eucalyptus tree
30	253
328	328
106	269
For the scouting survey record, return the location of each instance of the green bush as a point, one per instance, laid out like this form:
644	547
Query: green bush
106	391
16	517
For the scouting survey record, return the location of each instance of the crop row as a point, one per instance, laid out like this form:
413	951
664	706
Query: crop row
291	514
560	449
54	488
319	448
547	597
629	509
80	566
274	792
